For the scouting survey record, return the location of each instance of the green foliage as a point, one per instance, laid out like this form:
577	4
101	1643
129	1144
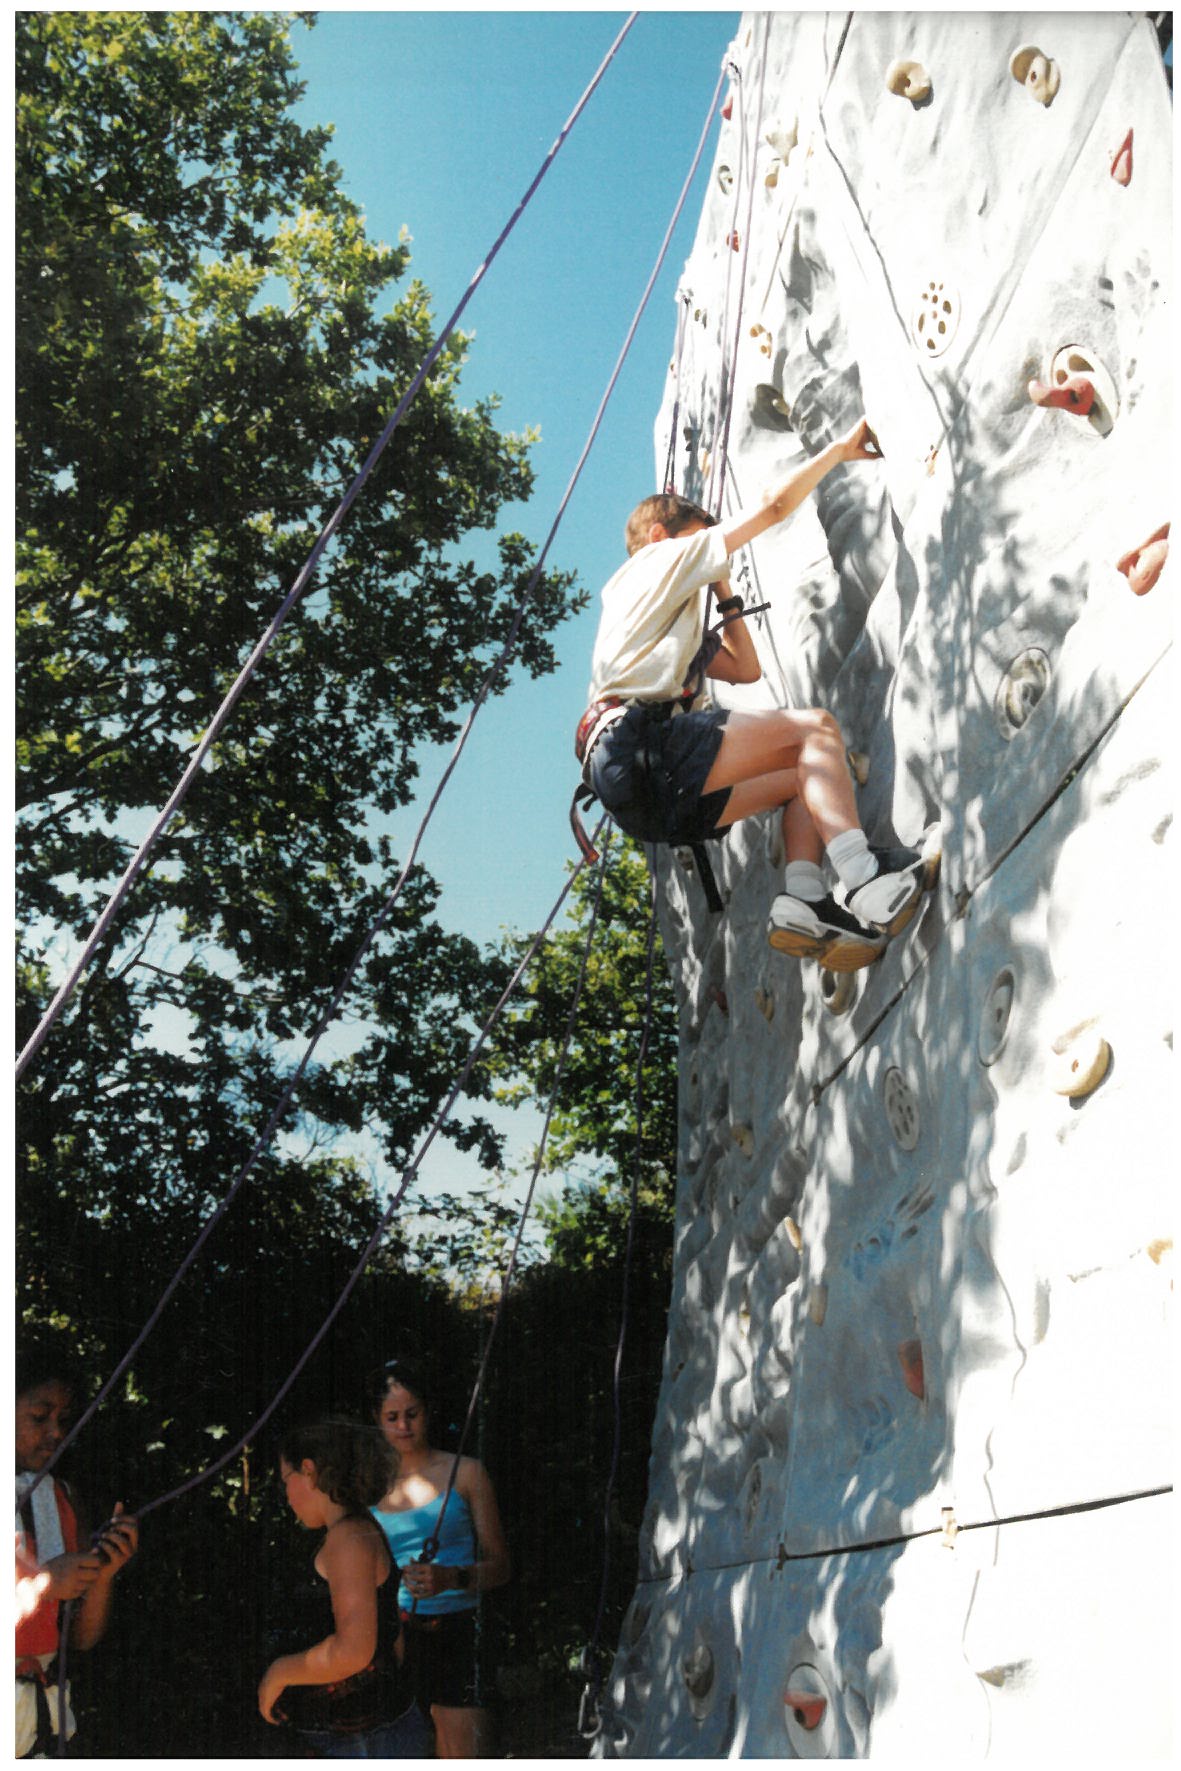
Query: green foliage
202	364
594	1123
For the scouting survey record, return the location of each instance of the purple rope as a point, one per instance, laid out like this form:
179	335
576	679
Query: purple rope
498	664
430	1549
594	1682
297	589
670	482
386	1217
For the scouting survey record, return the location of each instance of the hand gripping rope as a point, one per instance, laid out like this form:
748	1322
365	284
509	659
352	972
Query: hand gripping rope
135	866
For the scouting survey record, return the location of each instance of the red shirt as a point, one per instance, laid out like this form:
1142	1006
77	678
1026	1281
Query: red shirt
37	1633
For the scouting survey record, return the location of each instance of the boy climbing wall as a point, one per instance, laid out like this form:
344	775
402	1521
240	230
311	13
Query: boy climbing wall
670	766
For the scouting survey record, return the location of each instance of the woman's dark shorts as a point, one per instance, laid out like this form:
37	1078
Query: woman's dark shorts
448	1660
649	770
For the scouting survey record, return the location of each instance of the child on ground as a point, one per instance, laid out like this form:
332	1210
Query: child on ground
54	1563
671	767
349	1696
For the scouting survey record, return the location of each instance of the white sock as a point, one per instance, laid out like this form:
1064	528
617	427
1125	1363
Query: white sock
803	879
850	856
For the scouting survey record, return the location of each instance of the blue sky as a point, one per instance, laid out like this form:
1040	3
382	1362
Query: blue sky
441	120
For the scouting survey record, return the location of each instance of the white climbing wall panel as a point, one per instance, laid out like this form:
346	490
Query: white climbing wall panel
907	1471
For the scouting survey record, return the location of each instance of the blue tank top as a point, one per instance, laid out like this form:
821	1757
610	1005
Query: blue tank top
406	1532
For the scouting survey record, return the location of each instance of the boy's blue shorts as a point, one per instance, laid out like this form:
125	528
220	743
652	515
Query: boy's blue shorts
650	767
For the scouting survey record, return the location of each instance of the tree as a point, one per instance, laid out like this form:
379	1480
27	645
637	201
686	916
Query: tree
592	1141
202	363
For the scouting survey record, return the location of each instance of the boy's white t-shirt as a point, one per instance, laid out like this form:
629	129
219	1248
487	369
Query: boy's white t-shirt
653	614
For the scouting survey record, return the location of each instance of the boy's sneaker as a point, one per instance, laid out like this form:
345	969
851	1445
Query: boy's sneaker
822	931
891	897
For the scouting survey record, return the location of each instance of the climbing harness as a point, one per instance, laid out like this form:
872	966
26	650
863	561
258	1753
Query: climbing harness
485	690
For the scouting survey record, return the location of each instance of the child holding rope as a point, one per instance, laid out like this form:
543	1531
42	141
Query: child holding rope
349	1695
672	767
54	1562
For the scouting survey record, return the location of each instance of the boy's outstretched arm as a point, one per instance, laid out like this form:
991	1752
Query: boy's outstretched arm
855	446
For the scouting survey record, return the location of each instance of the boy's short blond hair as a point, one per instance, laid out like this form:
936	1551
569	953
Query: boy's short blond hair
673	512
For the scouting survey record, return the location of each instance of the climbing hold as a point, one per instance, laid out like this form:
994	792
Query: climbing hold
697	1670
1074	393
950	1527
818	1304
704	462
768	408
794	1235
858	765
765	1002
994	1023
718	995
772	178
910	1357
932	456
1075	360
902	1109
733	241
1158	1249
909	79
1036	72
807	1708
1080	1062
1143	565
725	179
783	140
728	108
808	1714
935	317
744	1137
1020	690
1121	165
838	990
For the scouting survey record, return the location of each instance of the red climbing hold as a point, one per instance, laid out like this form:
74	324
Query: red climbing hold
910	1357
728	108
732	241
1121	166
1143	565
807	1706
1075	394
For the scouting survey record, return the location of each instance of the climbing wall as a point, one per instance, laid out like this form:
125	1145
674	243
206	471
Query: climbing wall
908	1470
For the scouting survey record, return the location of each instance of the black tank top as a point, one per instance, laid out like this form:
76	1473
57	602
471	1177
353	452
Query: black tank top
377	1695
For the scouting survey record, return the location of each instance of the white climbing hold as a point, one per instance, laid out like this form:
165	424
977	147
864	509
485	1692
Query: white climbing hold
1080	1062
725	179
1036	72
908	79
783	140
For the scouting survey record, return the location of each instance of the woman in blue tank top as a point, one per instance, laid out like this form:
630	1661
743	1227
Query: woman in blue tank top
437	1497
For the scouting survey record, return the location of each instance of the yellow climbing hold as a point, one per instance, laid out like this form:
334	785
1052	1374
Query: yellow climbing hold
1036	72
1080	1062
909	79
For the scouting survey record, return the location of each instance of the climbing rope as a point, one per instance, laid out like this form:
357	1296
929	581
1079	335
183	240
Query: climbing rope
589	1704
431	1548
669	483
497	666
378	1235
135	866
